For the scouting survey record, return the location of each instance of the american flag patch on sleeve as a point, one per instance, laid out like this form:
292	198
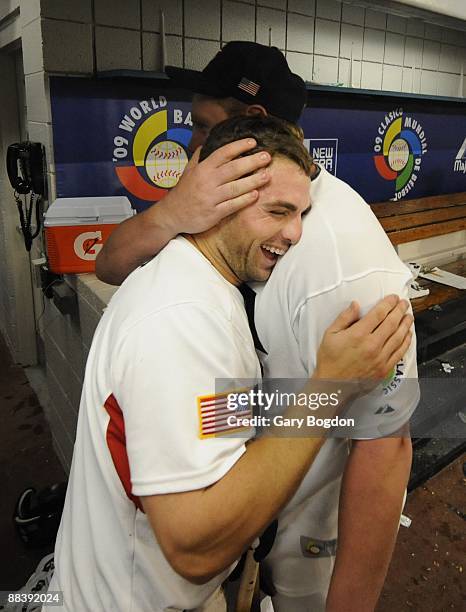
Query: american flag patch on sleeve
219	417
249	86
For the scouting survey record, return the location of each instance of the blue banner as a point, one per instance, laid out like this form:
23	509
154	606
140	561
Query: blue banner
119	138
391	154
130	137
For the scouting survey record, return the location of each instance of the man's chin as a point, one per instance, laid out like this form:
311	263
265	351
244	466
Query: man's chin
260	276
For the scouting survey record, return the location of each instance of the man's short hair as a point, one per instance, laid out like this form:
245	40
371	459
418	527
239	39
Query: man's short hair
271	134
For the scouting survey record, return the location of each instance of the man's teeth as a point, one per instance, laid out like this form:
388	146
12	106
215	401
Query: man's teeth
273	250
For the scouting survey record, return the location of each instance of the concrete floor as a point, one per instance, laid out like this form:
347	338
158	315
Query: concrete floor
426	573
27	459
428	568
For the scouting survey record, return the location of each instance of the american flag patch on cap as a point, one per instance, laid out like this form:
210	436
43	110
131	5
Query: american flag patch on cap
215	415
249	86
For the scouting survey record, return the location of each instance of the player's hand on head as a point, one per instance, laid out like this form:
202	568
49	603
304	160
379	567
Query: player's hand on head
216	187
365	349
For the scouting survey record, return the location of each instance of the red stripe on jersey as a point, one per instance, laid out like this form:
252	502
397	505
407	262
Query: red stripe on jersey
116	442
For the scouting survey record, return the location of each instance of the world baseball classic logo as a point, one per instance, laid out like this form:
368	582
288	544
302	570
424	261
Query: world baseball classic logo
398	150
150	149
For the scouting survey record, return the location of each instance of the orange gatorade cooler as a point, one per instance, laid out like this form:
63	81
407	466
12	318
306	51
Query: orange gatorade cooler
76	229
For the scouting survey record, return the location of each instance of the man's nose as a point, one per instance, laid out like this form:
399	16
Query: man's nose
293	229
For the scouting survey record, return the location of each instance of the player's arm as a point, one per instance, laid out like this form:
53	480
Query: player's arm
203	532
371	500
207	192
375	478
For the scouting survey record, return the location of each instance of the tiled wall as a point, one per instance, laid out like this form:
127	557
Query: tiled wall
317	35
67	339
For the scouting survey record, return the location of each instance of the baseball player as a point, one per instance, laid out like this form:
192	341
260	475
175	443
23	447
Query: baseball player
160	503
344	255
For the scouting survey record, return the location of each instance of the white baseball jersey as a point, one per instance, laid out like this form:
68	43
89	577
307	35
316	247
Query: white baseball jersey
173	327
344	255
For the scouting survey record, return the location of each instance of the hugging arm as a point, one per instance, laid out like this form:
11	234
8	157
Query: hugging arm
198	539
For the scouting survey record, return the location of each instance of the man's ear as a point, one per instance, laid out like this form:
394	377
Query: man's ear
256	109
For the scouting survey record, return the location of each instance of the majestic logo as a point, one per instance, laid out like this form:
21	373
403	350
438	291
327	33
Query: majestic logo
398	149
385	409
324	151
150	152
460	160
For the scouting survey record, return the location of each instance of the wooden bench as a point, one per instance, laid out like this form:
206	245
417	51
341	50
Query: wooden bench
411	220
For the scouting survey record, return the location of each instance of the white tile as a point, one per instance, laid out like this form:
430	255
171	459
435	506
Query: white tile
202	22
300	63
237	21
392	78
327	37
270	18
413	52
198	53
172	12
411	80
374	45
396	24
325	69
117	13
415	27
351	38
51	183
300	33
37	101
69	11
277	4
431	55
376	19
448	35
448	84
29	11
61	36
42	132
328	9
174	47
433	32
32	47
152	52
429	82
344	73
117	49
371	76
305	7
450	58
459	38
394	48
352	14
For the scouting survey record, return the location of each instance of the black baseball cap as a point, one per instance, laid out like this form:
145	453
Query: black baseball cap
251	73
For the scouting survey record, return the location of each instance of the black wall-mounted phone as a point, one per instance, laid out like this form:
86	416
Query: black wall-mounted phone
25	164
26	167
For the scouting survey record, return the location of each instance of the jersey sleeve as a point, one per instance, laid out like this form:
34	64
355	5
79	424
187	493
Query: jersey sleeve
386	409
166	363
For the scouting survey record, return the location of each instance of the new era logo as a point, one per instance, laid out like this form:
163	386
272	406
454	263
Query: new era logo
249	86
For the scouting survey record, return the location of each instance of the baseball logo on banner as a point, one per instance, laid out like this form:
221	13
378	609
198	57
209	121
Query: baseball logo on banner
150	150
399	146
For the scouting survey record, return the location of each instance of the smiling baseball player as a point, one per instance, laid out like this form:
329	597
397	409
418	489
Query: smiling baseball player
344	255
